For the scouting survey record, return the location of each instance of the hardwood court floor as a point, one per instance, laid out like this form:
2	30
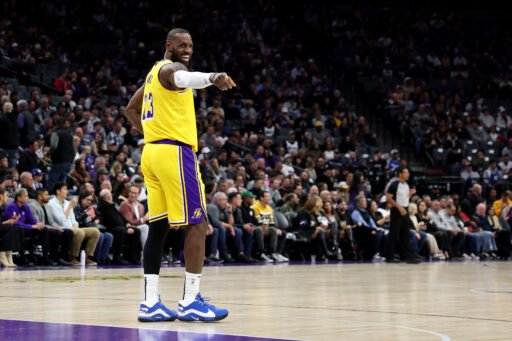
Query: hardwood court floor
431	301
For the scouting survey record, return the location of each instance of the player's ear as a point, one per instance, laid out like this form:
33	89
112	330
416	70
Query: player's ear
168	44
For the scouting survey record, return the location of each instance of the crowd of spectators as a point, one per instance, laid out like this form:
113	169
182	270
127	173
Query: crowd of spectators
439	79
291	169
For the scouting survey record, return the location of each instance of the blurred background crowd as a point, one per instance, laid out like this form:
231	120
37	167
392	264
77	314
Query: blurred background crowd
331	100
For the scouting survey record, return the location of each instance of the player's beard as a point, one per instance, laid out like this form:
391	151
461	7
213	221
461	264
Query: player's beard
174	59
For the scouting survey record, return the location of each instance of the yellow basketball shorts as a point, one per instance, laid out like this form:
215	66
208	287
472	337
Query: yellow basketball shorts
173	181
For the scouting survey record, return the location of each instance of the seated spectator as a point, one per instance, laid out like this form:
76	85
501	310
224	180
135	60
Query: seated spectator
121	192
421	227
249	220
63	215
264	214
115	224
60	239
27	225
314	226
346	231
440	221
473	241
101	176
366	233
501	234
220	216
8	234
424	222
133	212
86	217
235	200
485	230
274	192
37	176
334	227
291	203
79	173
27	182
500	204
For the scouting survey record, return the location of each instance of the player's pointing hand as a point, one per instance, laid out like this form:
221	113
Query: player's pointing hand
222	81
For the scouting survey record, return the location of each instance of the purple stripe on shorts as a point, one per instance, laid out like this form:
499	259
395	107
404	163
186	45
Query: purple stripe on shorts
194	207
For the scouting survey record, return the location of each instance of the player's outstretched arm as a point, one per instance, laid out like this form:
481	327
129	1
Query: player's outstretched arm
133	109
176	76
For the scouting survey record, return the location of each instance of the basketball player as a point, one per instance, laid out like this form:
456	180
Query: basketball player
175	190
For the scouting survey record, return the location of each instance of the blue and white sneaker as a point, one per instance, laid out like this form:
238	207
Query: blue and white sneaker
156	313
199	310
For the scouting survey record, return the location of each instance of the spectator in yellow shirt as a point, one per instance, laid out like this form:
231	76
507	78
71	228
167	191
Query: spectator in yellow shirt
501	203
264	214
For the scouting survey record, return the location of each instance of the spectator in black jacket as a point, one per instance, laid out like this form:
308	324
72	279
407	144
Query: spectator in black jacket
314	226
28	159
235	199
115	224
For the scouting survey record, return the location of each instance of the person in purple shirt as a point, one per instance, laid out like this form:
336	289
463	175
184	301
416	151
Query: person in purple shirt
28	225
19	207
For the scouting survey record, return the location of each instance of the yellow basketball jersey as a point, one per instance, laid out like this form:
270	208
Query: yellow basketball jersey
167	114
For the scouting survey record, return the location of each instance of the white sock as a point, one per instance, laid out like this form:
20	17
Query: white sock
151	288
191	286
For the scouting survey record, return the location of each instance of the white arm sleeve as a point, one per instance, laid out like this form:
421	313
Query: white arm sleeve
194	80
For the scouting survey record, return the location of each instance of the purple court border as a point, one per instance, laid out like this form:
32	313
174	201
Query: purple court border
292	263
14	330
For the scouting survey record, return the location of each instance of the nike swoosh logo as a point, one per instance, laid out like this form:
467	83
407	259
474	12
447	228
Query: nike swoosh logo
159	311
209	313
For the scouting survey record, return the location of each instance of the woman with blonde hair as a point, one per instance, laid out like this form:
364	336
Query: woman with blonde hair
421	227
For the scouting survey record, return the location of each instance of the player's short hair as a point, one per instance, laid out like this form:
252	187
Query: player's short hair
172	33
